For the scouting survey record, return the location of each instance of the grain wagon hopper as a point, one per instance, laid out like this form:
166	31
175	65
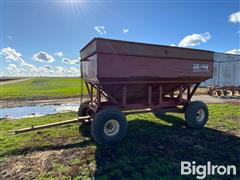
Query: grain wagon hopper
127	77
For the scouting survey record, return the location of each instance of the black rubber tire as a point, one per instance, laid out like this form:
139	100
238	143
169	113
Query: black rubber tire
85	128
210	93
225	93
82	110
160	115
97	126
191	114
219	93
185	106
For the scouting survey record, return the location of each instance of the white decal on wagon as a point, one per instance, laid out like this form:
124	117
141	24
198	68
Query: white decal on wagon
200	67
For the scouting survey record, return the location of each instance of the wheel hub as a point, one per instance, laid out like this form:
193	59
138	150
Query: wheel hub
111	127
200	115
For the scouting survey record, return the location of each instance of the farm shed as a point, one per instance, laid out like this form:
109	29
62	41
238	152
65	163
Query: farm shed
226	70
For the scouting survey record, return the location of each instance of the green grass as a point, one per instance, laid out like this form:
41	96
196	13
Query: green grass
42	88
152	147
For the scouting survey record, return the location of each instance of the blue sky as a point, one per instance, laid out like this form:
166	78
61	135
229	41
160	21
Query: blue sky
34	32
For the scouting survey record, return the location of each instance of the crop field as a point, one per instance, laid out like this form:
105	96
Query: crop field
152	148
48	88
42	88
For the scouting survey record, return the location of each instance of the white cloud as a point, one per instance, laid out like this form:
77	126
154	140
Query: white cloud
172	45
12	55
29	67
69	61
76	61
42	71
235	17
43	57
48	67
59	71
66	61
194	39
59	54
100	29
62	71
45	71
12	66
59	68
10	37
233	51
125	31
31	70
72	71
25	69
13	69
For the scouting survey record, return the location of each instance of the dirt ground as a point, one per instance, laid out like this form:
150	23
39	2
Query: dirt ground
217	99
205	98
33	164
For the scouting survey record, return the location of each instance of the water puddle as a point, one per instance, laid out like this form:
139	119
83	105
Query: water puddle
37	110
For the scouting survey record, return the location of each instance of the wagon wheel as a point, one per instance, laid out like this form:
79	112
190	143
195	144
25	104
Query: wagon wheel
83	108
84	127
210	92
219	93
109	126
225	92
196	114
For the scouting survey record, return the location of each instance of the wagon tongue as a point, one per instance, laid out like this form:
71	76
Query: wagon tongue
34	128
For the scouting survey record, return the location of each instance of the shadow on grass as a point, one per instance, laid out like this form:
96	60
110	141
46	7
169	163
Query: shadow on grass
151	150
173	120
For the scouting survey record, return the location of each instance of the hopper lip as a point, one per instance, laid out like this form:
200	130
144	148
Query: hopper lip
142	43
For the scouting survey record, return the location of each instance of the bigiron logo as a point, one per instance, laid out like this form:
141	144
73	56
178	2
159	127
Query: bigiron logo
202	171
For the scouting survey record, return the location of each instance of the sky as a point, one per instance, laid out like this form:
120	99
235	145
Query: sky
43	38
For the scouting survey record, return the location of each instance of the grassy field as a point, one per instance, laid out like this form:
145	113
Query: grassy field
42	88
151	149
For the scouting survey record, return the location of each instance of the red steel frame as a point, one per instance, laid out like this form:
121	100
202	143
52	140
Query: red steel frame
165	104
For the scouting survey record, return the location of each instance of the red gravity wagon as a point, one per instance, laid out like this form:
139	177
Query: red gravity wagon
128	77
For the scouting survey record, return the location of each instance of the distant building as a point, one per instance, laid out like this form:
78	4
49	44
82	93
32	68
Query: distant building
226	70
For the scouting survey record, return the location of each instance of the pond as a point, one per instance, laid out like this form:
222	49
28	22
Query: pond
36	110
